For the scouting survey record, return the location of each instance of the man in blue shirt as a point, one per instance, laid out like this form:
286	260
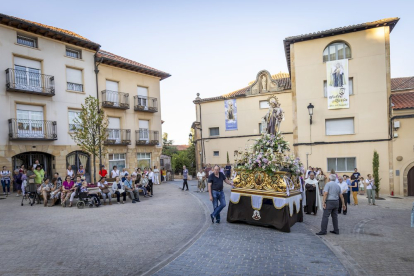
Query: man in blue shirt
215	189
185	176
129	188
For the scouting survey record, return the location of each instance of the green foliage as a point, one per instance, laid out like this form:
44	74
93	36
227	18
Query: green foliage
191	154
91	130
167	148
375	172
180	159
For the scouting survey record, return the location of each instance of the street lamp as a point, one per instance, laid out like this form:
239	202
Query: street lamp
310	110
190	137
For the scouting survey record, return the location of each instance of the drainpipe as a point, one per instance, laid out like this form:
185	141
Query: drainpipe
97	63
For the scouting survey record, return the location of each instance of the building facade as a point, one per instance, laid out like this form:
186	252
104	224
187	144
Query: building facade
48	73
346	128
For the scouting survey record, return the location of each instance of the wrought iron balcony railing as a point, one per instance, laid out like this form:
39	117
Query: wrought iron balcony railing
146	137
146	104
113	99
120	137
26	129
30	81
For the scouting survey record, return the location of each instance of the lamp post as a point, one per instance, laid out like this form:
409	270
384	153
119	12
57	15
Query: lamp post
310	110
190	137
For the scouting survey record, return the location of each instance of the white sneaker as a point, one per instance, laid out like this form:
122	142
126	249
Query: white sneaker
17	195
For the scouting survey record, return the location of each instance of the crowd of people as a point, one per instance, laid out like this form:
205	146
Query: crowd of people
34	179
204	173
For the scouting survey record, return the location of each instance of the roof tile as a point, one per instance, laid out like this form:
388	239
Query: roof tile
403	100
402	83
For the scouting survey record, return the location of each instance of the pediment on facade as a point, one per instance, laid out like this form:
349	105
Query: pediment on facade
264	83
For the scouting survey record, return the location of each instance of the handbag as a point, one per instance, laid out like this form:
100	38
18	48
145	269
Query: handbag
105	191
121	191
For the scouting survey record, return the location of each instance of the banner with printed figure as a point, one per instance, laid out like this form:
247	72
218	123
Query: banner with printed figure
337	83
230	113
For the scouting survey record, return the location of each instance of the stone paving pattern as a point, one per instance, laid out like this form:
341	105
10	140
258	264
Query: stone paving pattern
241	249
121	239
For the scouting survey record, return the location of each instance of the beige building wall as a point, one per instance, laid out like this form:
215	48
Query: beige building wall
128	82
52	55
369	68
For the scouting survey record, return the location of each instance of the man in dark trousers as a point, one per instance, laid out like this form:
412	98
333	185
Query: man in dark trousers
185	176
331	194
215	189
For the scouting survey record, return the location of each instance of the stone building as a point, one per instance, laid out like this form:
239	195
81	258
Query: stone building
48	74
337	136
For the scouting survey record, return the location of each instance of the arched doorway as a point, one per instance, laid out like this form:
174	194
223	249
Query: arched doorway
410	182
29	158
77	158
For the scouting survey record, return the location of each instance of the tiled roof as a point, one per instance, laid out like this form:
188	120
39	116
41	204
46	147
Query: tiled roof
181	147
403	100
42	29
402	83
115	60
283	80
391	22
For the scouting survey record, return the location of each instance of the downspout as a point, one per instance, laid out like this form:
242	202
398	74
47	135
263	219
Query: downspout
99	110
201	136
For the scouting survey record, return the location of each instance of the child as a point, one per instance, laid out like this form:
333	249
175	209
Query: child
361	186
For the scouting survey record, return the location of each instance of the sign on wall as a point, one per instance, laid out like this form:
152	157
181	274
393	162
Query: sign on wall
230	113
337	83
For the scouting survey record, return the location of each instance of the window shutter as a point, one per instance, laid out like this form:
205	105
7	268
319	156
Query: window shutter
27	63
339	126
74	75
112	85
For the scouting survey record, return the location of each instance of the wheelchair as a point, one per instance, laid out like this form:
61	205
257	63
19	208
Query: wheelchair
84	199
30	194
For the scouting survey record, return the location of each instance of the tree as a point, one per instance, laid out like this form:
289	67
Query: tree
91	130
375	172
180	159
191	154
167	148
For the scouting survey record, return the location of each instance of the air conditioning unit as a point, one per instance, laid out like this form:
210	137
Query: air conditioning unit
395	135
396	124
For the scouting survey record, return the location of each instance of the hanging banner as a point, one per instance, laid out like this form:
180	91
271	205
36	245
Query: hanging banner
230	113
337	84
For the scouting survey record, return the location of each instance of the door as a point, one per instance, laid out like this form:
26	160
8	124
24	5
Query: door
114	128
30	122
77	158
27	74
410	182
29	158
143	96
144	130
112	92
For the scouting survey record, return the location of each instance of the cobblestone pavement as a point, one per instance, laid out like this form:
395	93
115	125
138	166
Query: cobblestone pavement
121	239
374	240
240	249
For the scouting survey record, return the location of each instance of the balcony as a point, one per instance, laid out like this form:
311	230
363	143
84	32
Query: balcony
30	82
118	137
146	137
113	99
145	104
26	129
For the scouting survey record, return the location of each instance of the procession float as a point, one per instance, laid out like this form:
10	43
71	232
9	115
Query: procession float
267	189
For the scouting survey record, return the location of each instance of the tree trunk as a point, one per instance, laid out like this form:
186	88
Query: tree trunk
94	170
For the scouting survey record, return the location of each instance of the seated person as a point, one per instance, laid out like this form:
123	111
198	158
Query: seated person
66	190
119	189
105	191
144	184
130	188
74	190
84	189
138	185
55	191
44	189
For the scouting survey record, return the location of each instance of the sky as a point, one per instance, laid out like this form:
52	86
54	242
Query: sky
212	47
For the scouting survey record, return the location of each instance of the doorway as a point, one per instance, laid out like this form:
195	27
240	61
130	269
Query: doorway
410	182
29	158
77	158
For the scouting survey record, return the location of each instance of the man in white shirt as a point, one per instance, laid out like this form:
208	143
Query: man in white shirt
344	190
201	176
114	172
35	164
105	191
370	187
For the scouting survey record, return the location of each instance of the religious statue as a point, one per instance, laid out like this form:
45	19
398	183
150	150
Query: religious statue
338	76
230	115
274	116
264	82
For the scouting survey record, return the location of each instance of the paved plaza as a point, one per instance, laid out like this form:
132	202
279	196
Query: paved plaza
171	234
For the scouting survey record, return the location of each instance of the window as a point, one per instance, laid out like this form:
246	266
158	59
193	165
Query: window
144	130
73	114
142	96
335	51
216	153
30	121
161	162
340	126
112	92
73	53
27	41
260	127
114	129
117	159
144	160
214	131
344	164
350	83
27	74
74	79
264	104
